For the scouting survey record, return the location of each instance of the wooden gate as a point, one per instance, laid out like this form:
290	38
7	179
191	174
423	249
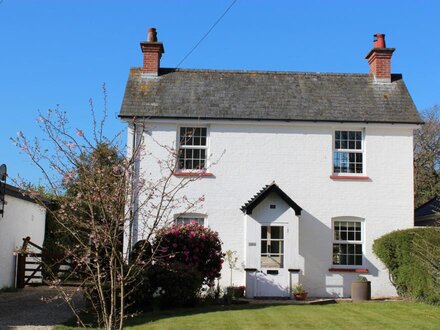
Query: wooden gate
31	268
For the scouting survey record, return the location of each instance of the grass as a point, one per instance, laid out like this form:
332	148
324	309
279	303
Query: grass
368	315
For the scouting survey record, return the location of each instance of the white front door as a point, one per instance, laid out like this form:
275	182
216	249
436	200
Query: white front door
272	277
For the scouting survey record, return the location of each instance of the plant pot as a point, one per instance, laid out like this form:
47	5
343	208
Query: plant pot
360	290
300	296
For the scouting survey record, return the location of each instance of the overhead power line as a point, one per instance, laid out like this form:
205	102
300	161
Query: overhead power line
206	34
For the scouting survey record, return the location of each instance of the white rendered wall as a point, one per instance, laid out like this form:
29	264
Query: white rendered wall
298	157
21	218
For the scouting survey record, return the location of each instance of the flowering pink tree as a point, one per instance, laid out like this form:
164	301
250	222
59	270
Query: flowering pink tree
94	183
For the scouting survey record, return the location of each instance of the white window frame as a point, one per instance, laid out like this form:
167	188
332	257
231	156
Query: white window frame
360	242
184	218
348	151
200	147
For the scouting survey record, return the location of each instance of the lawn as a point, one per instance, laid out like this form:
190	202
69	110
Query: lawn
369	315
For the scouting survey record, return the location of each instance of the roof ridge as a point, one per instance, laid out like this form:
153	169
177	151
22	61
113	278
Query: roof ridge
232	71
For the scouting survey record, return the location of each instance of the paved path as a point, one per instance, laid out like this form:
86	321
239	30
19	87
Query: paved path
34	308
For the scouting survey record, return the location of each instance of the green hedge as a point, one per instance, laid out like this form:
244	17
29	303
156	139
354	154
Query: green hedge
412	257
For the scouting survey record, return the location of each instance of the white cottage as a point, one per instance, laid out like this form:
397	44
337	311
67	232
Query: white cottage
301	172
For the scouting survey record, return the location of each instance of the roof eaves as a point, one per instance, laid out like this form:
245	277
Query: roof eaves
272	119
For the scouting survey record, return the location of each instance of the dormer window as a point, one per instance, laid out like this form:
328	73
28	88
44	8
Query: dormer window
193	147
348	152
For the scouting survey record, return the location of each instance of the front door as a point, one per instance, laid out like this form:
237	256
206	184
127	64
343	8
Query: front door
272	277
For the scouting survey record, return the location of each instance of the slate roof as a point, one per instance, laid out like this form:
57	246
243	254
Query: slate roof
428	214
17	193
263	193
429	208
262	95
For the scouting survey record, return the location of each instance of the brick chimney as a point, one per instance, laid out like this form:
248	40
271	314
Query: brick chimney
379	59
152	50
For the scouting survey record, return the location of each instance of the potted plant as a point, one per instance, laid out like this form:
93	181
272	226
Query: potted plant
361	289
299	292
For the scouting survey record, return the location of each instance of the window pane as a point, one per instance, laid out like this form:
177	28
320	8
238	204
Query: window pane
350	236
263	231
350	260
275	247
358	135
351	135
264	247
343	259
276	232
350	248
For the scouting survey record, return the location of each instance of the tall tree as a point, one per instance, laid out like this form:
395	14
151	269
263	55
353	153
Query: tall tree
427	157
94	184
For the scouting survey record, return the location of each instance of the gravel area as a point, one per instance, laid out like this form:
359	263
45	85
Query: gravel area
35	308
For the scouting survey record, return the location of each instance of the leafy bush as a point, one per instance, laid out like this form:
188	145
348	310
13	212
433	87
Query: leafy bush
412	257
177	284
186	257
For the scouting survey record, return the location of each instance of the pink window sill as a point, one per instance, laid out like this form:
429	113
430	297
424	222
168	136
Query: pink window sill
193	174
348	270
349	177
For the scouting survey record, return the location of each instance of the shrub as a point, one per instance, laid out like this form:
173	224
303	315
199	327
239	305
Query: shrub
192	245
412	257
186	257
178	284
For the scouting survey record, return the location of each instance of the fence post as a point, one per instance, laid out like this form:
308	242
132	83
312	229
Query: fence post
21	266
21	263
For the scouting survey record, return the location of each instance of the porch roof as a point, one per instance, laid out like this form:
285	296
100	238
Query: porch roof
266	191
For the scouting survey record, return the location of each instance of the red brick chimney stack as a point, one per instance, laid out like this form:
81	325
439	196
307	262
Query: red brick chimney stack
379	59
152	50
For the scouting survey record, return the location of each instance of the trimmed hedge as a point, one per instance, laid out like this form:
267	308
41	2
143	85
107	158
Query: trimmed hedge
412	257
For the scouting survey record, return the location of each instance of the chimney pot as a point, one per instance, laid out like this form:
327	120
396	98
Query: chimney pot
379	40
152	35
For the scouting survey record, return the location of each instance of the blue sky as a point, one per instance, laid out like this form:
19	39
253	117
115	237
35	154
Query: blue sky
57	52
